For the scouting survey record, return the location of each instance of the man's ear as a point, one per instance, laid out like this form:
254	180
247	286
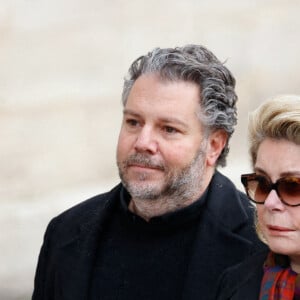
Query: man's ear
216	143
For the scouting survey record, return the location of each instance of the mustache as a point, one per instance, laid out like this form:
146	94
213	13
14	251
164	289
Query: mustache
143	160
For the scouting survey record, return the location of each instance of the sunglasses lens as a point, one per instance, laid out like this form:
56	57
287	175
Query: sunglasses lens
289	190
257	188
262	189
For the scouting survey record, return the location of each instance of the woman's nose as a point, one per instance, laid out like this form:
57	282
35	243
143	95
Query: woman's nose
273	201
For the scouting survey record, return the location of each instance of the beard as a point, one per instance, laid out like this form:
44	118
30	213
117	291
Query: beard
181	184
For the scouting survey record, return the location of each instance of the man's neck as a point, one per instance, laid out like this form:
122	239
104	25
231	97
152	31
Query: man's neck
149	208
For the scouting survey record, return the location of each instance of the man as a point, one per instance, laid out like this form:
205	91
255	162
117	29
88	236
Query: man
174	223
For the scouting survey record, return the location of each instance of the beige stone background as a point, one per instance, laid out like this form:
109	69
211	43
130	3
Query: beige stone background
62	64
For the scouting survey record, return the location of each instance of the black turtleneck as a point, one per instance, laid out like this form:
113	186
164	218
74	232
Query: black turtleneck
145	260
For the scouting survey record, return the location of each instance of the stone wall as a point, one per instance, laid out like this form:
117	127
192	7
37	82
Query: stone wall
62	63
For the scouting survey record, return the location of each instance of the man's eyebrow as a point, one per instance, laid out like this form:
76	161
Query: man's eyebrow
173	120
168	120
130	112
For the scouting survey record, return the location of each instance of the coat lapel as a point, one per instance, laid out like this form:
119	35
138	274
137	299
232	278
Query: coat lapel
219	242
77	255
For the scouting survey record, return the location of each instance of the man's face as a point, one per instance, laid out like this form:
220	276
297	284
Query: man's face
161	149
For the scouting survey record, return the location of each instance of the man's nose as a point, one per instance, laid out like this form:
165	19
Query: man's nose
146	141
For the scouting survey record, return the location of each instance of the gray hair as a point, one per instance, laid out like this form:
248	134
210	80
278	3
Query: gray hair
194	63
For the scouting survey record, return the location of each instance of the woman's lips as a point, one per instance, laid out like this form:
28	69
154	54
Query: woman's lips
279	228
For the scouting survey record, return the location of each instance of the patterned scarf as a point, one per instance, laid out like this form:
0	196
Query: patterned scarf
279	282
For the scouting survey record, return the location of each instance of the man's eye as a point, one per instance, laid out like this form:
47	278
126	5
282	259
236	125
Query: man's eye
170	129
132	122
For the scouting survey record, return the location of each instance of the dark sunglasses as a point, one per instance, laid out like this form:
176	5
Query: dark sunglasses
258	188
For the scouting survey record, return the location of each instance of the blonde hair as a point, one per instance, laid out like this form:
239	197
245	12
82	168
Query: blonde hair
277	118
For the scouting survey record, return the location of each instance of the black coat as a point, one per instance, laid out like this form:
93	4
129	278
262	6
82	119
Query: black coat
225	236
242	281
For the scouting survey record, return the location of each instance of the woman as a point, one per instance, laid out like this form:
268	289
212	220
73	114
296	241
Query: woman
274	187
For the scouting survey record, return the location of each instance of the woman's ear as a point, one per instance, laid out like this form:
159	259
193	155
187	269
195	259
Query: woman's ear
216	143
